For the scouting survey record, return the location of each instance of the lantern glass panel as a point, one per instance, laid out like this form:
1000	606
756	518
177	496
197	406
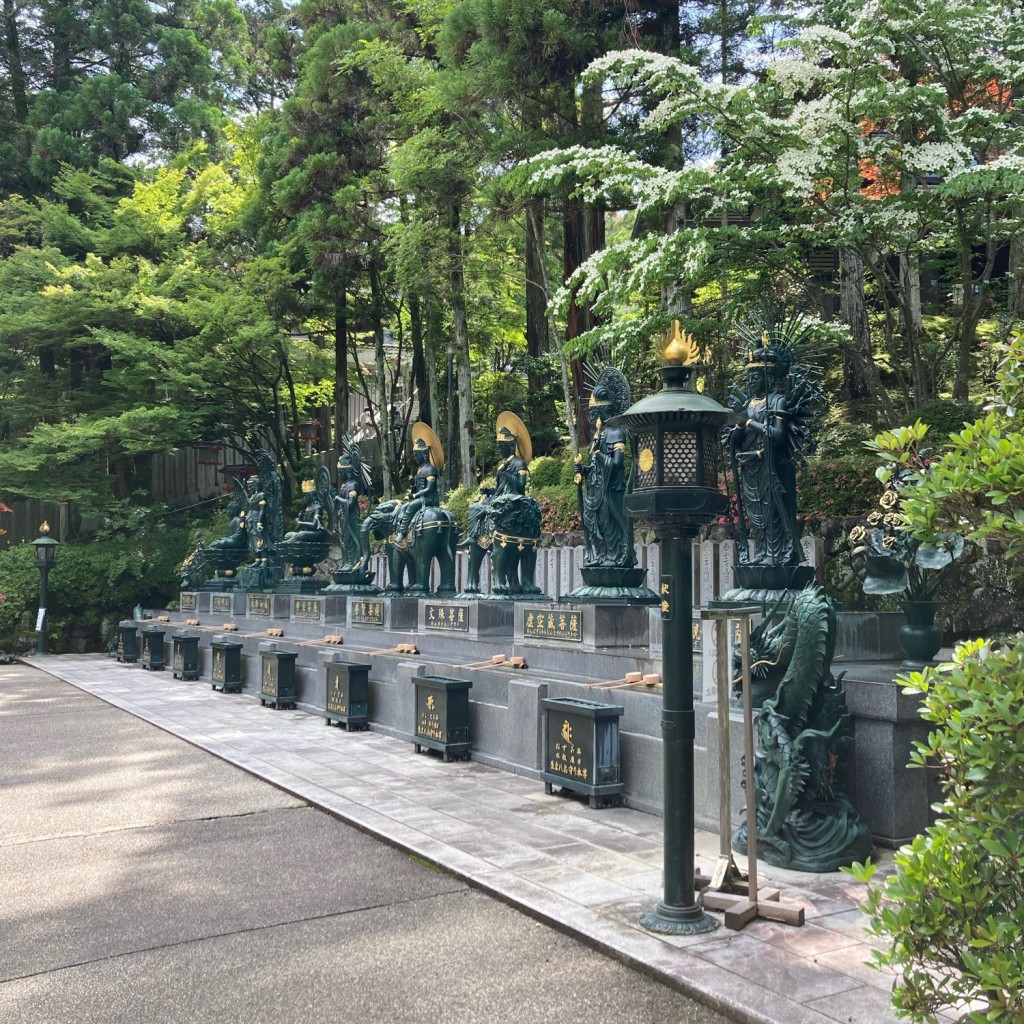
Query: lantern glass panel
679	458
646	460
712	455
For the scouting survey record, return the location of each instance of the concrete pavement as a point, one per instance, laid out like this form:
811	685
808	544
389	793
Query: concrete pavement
147	881
589	873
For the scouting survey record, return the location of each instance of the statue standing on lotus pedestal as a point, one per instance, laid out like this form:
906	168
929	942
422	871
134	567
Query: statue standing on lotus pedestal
609	571
352	575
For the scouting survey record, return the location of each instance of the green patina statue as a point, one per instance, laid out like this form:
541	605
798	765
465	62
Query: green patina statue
353	484
506	522
776	412
308	545
417	531
264	525
805	820
609	570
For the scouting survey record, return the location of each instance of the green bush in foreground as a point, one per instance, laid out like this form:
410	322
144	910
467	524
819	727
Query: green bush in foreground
954	910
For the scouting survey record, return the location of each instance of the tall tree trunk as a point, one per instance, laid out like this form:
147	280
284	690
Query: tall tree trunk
460	338
431	350
852	272
341	424
853	311
419	362
537	342
383	422
19	88
567	392
1015	275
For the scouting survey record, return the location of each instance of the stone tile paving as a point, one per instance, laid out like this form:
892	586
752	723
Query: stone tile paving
590	872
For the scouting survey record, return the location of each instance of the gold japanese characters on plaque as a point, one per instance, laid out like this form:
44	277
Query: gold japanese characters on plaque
446	616
543	624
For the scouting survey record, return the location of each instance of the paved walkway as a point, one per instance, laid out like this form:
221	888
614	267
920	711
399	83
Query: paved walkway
590	873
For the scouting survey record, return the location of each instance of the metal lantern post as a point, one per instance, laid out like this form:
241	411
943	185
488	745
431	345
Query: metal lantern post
46	551
675	491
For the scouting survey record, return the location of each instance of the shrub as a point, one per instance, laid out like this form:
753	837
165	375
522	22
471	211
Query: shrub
459	501
546	471
841	486
91	583
841	440
944	416
954	910
560	511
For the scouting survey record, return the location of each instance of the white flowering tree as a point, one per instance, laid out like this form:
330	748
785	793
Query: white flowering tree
890	134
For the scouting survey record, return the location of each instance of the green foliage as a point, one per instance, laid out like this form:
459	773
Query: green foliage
840	485
546	471
560	511
843	439
459	501
976	485
91	584
954	910
943	416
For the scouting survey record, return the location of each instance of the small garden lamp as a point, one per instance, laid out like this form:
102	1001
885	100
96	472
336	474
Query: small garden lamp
309	431
675	491
46	552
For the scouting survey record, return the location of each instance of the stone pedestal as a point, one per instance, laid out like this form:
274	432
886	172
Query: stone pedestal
591	626
318	609
194	601
232	605
267	606
470	619
382	612
893	800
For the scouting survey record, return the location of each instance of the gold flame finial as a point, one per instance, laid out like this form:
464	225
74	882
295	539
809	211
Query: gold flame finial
45	528
680	349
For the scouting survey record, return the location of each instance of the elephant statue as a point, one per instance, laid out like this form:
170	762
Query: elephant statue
432	533
511	535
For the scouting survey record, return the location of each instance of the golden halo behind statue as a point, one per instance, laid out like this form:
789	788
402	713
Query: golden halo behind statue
515	426
421	432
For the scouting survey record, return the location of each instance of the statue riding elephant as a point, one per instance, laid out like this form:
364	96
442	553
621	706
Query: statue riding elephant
505	522
411	546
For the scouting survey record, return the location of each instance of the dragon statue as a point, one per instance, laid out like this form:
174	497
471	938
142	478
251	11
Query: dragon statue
805	821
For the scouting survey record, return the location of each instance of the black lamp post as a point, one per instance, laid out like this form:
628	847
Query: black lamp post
46	551
675	491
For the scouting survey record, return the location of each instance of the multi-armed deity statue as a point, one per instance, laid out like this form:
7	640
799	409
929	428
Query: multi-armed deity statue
804	818
609	570
418	530
352	573
506	521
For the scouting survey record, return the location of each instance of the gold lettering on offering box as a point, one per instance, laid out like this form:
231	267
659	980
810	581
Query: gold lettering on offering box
222	604
179	660
428	723
259	605
218	666
337	698
188	602
541	625
695	636
450	617
269	679
368	612
568	759
306	608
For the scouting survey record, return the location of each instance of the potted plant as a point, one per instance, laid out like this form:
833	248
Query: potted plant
893	562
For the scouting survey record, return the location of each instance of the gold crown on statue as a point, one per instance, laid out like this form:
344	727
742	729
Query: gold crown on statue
308	486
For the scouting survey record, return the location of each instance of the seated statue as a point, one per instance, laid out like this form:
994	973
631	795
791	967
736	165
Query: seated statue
425	490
